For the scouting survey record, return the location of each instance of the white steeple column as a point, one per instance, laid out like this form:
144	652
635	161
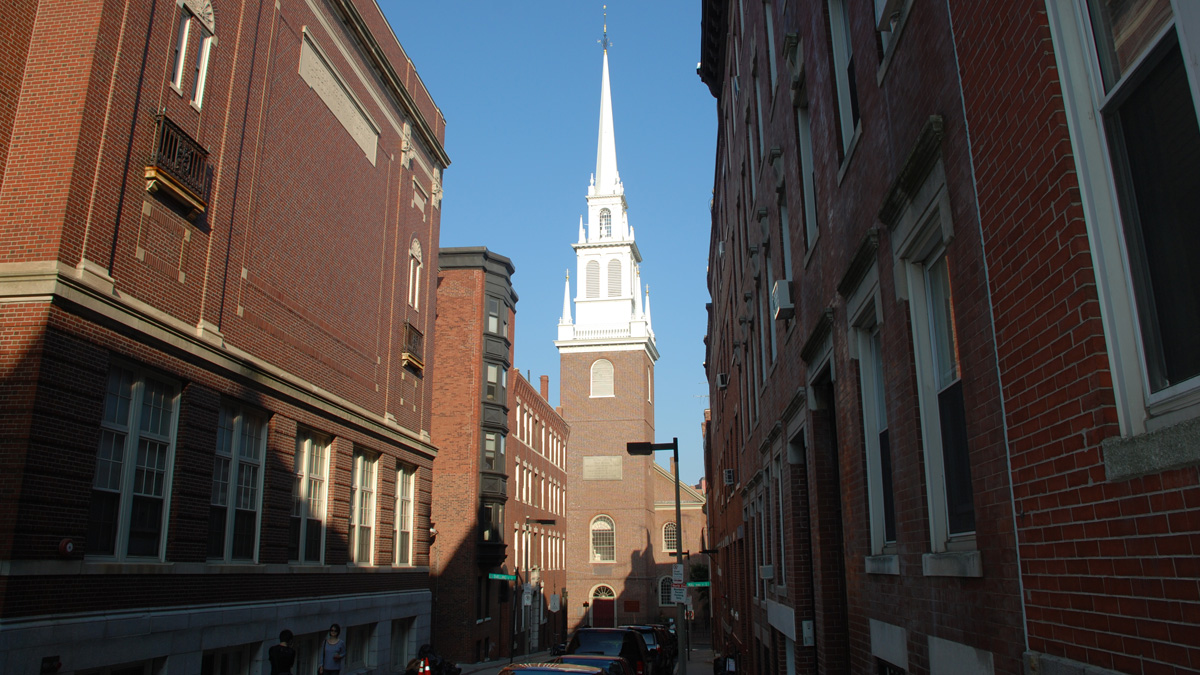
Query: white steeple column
608	288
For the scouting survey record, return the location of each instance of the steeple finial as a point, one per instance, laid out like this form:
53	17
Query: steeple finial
604	40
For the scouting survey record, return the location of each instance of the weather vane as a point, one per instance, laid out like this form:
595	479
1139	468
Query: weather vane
604	41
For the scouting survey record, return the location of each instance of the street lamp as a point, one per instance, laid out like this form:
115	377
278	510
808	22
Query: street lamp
645	448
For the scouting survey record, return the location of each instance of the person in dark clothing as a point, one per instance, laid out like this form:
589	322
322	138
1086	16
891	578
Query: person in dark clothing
281	656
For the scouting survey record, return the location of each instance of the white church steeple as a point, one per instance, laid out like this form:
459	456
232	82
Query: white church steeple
608	295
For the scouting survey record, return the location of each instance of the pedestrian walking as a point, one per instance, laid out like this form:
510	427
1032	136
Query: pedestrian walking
333	652
281	656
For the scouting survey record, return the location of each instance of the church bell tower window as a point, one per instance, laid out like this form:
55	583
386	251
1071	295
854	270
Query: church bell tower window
605	223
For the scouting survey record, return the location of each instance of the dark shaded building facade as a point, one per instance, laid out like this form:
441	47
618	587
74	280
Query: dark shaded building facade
950	395
215	425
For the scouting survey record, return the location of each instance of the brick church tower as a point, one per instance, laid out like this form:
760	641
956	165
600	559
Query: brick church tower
607	356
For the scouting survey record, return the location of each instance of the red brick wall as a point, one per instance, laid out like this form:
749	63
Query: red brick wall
1109	567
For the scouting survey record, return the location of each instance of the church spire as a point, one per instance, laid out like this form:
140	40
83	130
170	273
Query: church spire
566	315
607	180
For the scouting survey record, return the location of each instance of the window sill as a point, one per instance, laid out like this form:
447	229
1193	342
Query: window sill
1169	448
883	564
952	564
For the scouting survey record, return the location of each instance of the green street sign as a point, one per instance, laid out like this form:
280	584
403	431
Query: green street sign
698	584
505	577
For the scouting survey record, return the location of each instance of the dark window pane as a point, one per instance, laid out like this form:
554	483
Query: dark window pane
294	539
102	523
312	541
885	474
145	526
960	501
1161	143
243	534
216	532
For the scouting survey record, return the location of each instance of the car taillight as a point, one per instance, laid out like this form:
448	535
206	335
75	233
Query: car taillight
641	668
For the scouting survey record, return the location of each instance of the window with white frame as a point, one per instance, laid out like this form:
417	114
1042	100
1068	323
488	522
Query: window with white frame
605	223
602	378
614	278
942	408
877	446
362	507
306	541
236	504
807	174
193	44
670	537
604	539
664	592
1130	80
769	15
131	484
415	271
843	71
405	479
493	451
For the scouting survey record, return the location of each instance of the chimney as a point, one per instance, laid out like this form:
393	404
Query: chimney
545	387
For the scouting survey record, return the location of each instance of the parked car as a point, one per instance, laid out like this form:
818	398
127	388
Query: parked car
659	652
623	642
612	665
549	669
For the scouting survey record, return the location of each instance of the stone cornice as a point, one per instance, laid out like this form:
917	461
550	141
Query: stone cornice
88	287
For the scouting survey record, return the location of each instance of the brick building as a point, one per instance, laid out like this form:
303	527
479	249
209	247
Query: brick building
216	393
617	537
499	479
950	304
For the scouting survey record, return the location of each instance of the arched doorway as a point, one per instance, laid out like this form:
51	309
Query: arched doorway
604	607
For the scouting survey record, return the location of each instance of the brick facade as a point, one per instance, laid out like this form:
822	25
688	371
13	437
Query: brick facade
953	362
231	289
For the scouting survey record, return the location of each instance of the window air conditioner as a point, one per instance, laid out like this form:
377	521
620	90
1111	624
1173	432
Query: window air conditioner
766	572
729	479
722	380
781	300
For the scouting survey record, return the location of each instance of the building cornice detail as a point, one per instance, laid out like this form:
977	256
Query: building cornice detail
88	286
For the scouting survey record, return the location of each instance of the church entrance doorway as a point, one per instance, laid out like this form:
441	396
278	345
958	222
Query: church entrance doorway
604	607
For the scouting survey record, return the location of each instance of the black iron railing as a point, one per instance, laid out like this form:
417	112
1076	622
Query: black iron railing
414	342
180	156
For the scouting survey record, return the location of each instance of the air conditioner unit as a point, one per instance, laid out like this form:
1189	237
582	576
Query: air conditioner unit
781	300
729	478
722	380
766	572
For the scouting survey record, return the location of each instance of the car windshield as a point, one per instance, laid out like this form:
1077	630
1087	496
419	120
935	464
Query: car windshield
599	643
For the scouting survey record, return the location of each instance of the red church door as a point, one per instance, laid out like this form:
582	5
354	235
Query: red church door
604	612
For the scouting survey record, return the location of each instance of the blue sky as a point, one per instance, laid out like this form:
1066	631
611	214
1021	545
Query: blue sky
519	84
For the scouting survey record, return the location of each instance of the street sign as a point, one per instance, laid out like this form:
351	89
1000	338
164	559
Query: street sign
678	593
554	603
698	584
527	598
504	577
677	573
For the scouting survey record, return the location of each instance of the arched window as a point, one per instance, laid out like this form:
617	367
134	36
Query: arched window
592	279
605	223
604	540
614	278
415	268
602	378
664	592
670	537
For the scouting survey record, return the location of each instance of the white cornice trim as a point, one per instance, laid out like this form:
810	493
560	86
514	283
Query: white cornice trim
89	287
